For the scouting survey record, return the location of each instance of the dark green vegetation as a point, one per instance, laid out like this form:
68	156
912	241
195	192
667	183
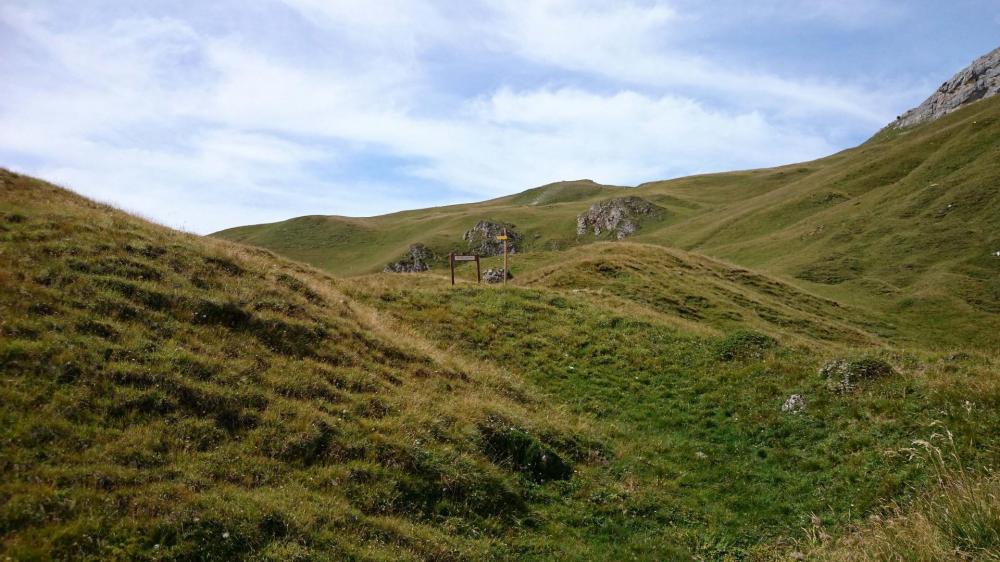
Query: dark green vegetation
168	397
903	225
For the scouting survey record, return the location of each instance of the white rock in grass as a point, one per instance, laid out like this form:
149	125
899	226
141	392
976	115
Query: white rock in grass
794	404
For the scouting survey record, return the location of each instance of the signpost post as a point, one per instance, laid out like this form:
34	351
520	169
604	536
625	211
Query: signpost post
504	238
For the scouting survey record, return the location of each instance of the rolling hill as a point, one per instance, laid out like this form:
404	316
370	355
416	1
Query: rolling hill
905	225
169	397
794	363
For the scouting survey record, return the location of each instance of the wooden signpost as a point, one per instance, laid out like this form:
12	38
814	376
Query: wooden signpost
504	238
452	258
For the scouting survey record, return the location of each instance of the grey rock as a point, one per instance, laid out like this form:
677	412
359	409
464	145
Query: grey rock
413	261
495	275
482	238
844	375
979	80
794	404
619	217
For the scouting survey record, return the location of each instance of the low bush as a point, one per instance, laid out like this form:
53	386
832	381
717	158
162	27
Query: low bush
744	345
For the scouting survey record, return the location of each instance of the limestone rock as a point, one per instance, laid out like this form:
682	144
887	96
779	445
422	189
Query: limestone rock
482	238
794	404
495	275
619	217
979	80
413	261
844	375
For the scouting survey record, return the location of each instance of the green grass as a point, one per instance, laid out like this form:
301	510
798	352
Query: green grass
701	459
956	519
170	397
903	225
167	397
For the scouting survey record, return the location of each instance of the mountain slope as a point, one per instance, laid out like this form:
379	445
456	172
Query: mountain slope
904	224
349	246
172	398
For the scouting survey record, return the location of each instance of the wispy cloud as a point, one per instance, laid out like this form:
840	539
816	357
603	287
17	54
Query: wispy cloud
296	107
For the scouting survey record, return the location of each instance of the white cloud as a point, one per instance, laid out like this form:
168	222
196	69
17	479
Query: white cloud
637	44
205	129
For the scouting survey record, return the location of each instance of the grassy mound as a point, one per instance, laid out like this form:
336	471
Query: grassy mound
167	397
700	290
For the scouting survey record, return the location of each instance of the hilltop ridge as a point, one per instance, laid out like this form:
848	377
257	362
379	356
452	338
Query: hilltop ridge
903	223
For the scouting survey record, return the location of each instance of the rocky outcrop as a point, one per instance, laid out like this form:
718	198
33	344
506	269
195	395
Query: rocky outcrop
979	80
794	404
619	217
495	275
844	375
413	261
482	238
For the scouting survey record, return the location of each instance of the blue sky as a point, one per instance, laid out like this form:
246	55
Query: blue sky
205	115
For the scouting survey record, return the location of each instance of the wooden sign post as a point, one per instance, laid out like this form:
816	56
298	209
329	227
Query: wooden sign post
453	257
504	238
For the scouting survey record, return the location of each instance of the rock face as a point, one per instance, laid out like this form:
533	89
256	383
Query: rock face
482	238
619	216
414	260
979	80
495	275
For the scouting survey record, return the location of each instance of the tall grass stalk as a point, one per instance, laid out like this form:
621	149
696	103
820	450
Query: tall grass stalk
957	520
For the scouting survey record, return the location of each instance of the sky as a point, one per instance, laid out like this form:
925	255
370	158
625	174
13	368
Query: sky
206	115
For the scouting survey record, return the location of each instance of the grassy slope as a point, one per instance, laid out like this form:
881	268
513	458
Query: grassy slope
350	246
170	397
702	457
870	226
220	402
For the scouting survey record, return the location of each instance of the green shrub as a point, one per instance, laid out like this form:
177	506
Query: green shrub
744	345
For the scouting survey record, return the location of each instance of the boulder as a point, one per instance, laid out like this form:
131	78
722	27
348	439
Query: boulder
482	238
619	217
844	375
414	260
496	275
794	404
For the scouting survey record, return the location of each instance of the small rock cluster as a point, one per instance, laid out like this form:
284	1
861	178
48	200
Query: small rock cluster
844	375
496	275
482	238
619	217
413	261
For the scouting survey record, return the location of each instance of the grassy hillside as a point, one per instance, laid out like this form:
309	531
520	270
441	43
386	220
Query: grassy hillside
173	398
167	397
348	246
703	460
904	225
